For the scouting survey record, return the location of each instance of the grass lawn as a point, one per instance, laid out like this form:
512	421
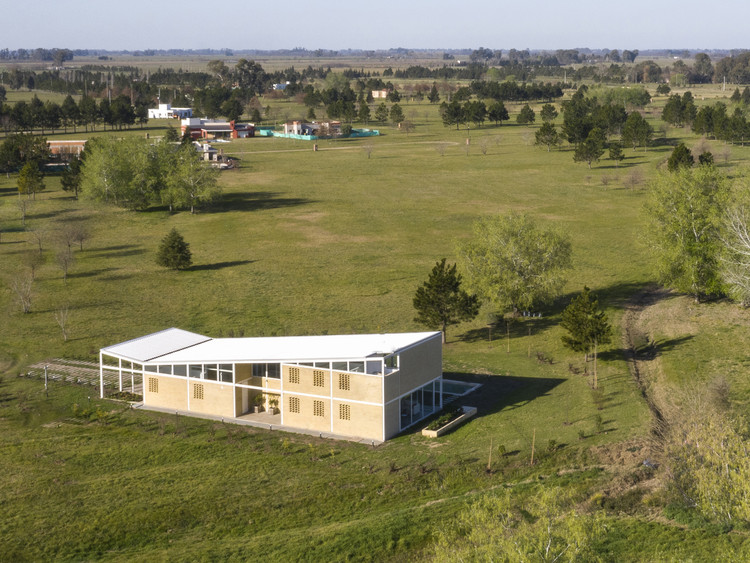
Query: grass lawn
319	242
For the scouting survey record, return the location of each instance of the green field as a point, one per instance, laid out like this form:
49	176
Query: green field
331	242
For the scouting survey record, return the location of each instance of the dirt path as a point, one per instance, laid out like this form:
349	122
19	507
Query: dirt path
638	346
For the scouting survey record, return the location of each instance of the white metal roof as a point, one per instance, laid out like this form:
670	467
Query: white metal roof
151	346
271	349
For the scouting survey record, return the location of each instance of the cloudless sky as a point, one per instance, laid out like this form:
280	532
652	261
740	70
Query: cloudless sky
375	24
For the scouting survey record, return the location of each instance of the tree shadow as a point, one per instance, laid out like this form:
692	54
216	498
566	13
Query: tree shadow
256	201
89	274
219	265
118	250
8	191
48	214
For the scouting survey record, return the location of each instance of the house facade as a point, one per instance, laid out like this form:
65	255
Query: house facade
166	111
369	386
214	129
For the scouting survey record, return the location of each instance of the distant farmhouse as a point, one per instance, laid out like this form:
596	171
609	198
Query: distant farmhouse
166	111
65	150
369	386
315	128
214	129
379	94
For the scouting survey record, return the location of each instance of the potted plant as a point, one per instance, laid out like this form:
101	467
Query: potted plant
258	400
274	403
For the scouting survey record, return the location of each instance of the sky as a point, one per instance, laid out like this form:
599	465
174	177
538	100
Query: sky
377	24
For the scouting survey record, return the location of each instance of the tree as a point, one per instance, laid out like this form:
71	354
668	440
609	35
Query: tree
232	109
440	301
452	113
637	131
547	136
433	96
615	153
364	113
548	113
513	263
663	89
174	253
685	212
498	113
591	149
190	182
475	111
397	114
587	326
171	135
30	180
706	158
381	113
735	264
526	116
680	157
21	286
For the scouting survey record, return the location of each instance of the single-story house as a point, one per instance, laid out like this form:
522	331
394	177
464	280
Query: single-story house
315	128
379	94
166	111
368	386
213	129
66	149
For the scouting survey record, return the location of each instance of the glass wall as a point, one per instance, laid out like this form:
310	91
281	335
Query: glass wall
420	403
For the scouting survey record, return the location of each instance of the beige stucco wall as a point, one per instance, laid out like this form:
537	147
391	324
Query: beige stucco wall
420	364
306	379
306	418
361	388
392	414
366	421
217	399
417	366
172	392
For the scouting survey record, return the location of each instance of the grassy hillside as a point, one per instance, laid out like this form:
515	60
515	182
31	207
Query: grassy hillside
323	242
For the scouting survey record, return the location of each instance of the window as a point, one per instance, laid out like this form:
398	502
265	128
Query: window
180	370
153	385
391	361
259	370
324	365
151	368
198	391
274	371
211	373
344	382
225	373
294	404
345	412
339	366
319	378
195	371
357	366
293	375
165	369
319	408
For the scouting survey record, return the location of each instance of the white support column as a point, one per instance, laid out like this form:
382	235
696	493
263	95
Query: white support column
101	377
281	387
330	401
234	393
119	371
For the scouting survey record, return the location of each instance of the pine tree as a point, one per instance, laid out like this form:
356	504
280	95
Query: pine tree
440	301
587	326
680	157
174	252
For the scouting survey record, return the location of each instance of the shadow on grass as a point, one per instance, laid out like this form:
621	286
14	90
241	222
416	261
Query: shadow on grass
648	349
118	251
90	273
48	214
255	201
500	392
219	265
